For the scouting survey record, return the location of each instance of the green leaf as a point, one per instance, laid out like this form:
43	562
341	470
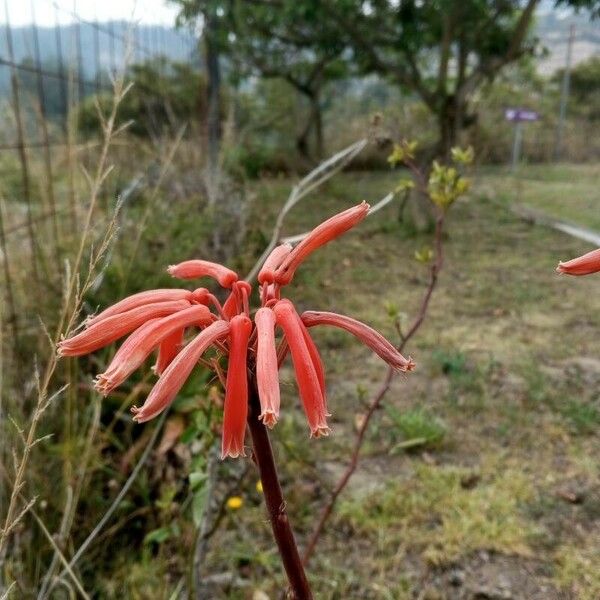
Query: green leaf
189	435
197	479
199	503
158	536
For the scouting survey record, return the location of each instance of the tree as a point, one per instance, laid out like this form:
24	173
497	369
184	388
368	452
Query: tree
585	86
208	15
278	40
441	50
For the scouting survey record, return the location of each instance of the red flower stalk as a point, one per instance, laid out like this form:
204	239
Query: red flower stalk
319	236
582	265
194	269
368	336
235	412
267	367
158	319
111	328
306	374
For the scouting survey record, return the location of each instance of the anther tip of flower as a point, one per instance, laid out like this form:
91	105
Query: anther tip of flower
233	454
269	418
321	431
137	414
104	384
410	365
560	268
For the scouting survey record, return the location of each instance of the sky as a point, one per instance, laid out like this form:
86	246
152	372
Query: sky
47	11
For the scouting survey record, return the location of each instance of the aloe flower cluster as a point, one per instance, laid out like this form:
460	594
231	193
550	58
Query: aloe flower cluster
161	320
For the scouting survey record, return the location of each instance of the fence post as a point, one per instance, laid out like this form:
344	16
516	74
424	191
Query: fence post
564	96
10	298
21	146
45	137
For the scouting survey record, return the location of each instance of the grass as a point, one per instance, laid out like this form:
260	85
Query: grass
505	418
492	367
562	191
449	512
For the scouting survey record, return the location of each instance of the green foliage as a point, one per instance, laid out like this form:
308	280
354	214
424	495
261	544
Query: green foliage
584	417
288	41
445	185
450	363
164	94
417	428
585	87
445	519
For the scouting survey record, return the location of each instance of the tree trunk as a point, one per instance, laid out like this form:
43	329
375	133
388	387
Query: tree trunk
449	123
318	127
213	113
313	128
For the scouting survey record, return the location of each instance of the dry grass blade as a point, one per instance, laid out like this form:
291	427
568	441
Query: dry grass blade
118	499
73	299
313	180
61	556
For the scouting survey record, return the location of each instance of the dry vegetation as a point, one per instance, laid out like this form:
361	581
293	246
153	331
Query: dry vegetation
478	477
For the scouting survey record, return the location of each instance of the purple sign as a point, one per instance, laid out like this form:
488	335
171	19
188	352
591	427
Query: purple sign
518	115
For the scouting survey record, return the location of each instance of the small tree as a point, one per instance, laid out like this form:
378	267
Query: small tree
585	86
442	50
281	40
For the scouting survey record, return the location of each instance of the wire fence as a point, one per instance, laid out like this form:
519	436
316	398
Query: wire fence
48	71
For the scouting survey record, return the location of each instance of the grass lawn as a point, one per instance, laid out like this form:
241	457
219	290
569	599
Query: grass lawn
499	493
478	478
568	192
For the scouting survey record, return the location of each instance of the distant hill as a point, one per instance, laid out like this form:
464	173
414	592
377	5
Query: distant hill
553	30
102	46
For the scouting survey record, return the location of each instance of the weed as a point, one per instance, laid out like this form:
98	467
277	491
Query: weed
578	571
417	428
445	519
584	417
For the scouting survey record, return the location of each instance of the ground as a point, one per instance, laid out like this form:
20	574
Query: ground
479	478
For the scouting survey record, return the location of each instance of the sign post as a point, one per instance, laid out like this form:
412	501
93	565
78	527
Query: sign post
518	116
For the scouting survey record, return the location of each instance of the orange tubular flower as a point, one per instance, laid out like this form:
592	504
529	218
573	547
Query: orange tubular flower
319	236
176	374
306	375
317	363
267	369
159	319
149	297
193	269
111	328
235	302
236	393
140	344
363	332
582	265
267	272
168	350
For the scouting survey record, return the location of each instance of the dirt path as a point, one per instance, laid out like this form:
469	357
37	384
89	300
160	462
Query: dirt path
539	218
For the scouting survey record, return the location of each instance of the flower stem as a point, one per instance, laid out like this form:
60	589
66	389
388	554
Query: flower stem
276	507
